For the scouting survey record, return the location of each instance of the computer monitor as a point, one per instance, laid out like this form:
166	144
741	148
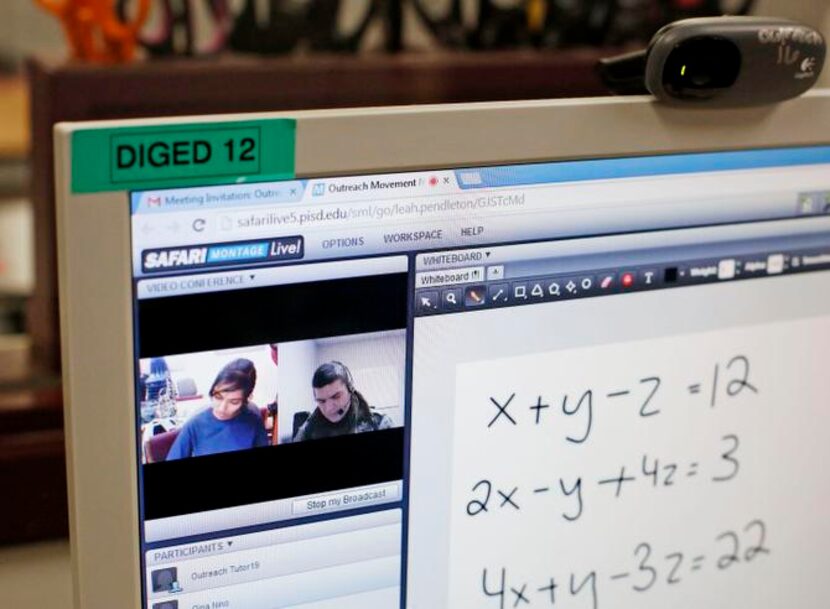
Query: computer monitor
536	354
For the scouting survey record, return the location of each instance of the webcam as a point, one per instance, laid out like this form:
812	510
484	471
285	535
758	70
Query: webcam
721	62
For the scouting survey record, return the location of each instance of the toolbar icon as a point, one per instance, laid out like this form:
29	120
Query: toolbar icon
427	302
499	293
495	273
648	277
474	296
607	281
806	204
727	269
627	280
775	264
452	299
554	289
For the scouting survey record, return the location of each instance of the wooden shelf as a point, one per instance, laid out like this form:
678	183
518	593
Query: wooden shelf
14	119
32	465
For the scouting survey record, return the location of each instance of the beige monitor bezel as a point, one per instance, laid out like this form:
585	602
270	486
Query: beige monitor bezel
95	267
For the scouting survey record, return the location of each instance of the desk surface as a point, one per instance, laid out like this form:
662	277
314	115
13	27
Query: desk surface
36	576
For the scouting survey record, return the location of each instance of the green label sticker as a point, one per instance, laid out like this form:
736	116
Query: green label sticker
131	158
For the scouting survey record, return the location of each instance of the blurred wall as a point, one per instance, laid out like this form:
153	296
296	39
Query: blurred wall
25	29
811	12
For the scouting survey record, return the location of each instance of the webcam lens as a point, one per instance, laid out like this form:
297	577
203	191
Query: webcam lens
700	67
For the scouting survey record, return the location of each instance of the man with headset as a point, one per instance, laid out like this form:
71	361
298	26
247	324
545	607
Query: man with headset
341	409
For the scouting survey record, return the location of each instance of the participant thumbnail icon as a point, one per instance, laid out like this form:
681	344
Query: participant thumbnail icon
165	580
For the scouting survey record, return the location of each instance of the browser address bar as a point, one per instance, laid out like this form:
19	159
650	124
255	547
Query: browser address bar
332	215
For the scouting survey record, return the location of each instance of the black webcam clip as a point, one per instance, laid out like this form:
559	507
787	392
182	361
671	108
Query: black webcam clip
721	62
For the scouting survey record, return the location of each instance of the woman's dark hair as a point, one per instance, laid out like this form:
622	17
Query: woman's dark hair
159	367
240	374
332	371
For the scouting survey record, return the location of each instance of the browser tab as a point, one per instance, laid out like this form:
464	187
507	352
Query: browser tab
381	186
186	199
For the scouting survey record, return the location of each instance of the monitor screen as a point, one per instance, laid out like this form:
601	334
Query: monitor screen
582	384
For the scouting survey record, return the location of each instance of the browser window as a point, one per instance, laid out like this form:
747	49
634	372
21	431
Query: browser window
483	387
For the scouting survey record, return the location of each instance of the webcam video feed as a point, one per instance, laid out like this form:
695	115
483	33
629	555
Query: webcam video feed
211	402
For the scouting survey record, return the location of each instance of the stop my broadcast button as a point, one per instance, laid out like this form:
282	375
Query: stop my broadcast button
347	500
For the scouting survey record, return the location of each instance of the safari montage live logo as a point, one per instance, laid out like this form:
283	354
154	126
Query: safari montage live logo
220	254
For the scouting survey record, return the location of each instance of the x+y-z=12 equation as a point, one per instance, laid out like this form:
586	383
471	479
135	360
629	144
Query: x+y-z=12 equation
727	380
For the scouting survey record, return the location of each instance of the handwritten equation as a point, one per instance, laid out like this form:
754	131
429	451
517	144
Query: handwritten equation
653	472
648	569
646	397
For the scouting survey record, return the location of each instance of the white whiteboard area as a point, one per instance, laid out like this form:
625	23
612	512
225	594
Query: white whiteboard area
675	472
651	450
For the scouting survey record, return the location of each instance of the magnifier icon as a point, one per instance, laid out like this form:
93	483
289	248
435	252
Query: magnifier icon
451	298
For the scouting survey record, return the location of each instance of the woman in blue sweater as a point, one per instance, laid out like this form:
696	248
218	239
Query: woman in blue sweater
229	424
